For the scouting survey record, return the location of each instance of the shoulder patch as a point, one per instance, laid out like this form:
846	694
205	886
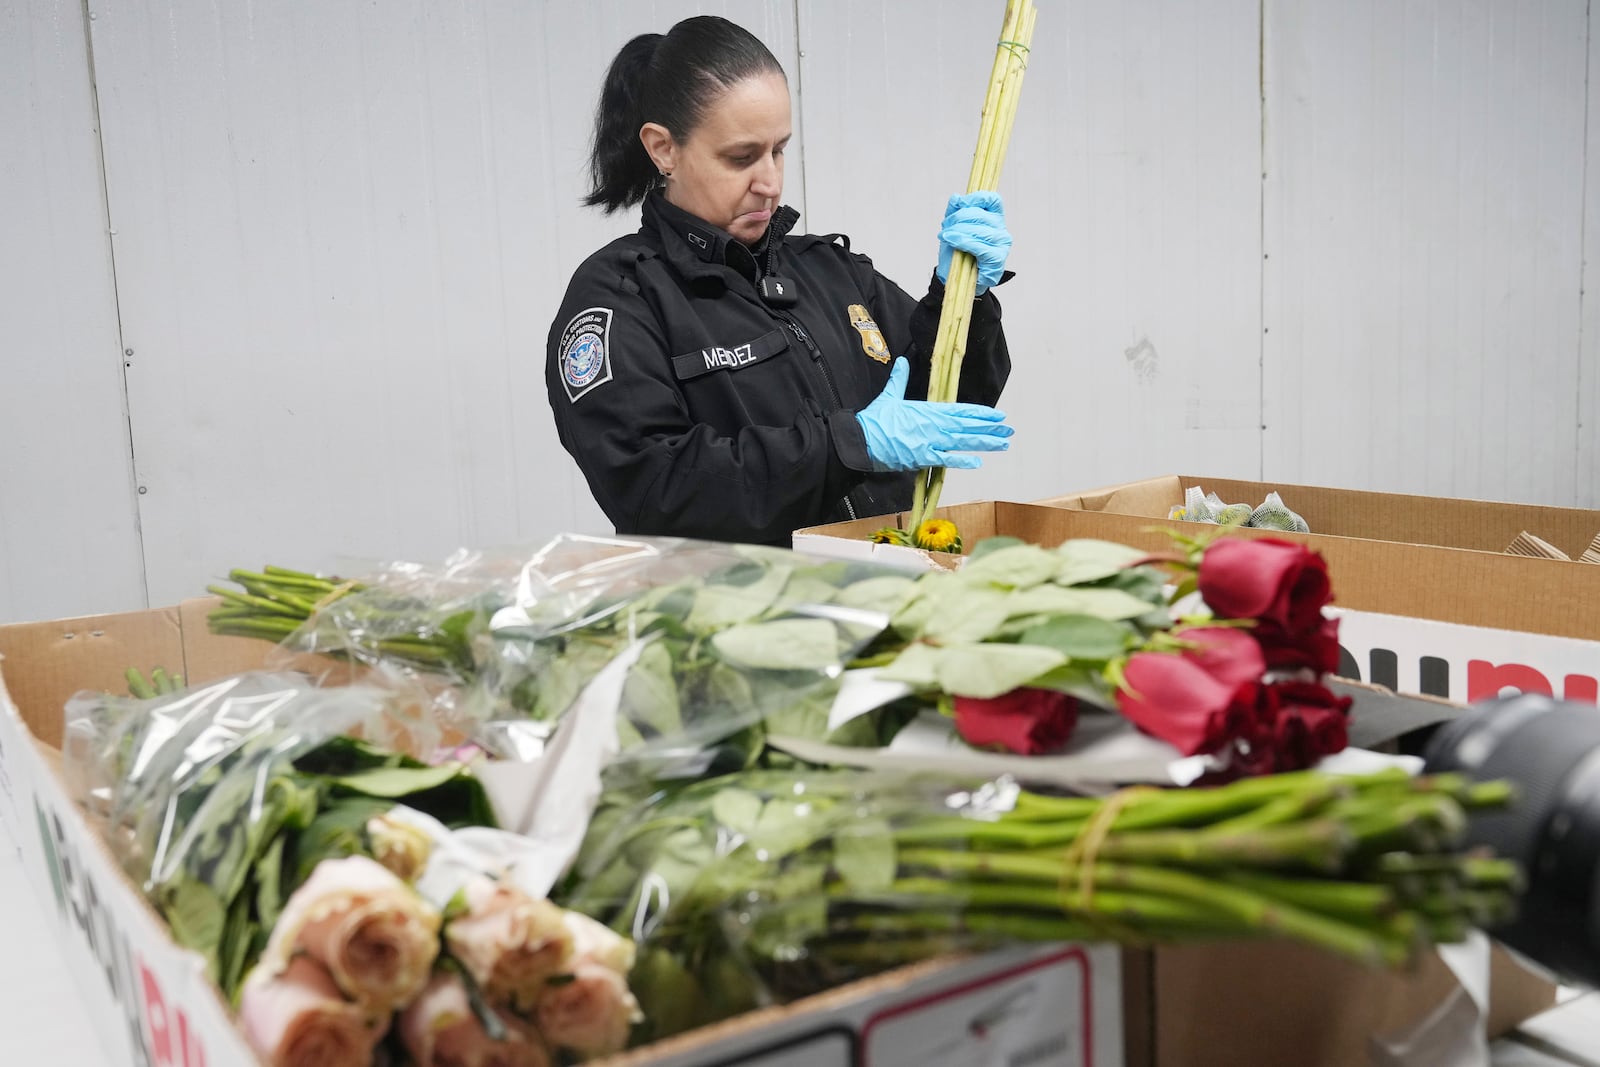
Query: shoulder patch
586	352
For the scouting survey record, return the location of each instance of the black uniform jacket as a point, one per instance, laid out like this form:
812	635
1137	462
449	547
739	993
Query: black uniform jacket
697	409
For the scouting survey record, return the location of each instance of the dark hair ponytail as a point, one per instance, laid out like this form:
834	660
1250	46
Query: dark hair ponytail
668	79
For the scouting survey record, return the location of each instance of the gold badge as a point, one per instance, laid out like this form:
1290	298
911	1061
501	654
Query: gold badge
872	342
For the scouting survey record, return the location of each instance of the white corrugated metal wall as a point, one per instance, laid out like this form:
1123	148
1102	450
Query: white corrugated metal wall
1316	240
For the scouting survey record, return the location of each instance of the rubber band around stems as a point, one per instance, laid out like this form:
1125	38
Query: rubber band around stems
334	594
1079	860
1016	48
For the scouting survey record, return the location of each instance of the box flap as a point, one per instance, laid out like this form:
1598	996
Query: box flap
47	662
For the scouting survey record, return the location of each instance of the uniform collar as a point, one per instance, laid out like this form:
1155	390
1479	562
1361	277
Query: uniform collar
698	249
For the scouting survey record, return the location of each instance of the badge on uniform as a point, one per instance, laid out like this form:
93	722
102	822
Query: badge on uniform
872	342
586	352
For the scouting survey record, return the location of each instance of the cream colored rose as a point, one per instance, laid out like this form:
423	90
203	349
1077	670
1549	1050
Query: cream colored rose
598	943
439	1029
298	1018
590	1013
376	937
509	942
399	846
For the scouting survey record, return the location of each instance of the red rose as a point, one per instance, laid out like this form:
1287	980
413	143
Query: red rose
1308	723
1316	647
1174	698
1024	721
1274	581
1228	654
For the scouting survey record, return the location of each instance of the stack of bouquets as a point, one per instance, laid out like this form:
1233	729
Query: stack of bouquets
350	900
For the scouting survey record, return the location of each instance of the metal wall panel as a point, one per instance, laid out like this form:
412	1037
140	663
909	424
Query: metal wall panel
343	229
1424	206
1133	188
1587	460
69	541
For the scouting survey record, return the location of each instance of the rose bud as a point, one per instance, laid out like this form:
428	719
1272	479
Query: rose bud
1173	698
375	935
399	846
1275	581
298	1018
440	1029
509	942
1228	654
1024	721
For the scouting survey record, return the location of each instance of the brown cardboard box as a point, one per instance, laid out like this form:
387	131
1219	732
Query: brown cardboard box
1228	1003
1424	557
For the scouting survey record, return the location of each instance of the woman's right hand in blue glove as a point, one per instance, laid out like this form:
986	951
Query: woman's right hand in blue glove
908	435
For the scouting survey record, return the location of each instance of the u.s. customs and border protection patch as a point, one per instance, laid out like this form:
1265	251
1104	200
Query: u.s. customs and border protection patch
872	342
586	352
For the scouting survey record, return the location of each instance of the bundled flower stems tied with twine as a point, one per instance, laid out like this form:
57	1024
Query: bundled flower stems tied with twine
955	317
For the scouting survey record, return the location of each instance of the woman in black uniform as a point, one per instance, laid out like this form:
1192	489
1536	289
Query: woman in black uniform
717	377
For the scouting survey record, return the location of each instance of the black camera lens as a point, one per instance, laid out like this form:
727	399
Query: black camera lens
1550	749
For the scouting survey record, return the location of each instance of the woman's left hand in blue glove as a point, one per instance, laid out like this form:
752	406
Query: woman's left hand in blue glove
975	223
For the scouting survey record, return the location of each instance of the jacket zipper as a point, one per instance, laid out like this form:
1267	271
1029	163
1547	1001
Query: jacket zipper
816	354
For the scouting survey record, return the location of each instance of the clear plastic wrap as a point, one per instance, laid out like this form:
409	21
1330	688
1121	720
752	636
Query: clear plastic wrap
220	799
733	636
764	886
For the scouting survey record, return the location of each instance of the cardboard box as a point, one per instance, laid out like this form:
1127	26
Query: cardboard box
1085	1005
1462	623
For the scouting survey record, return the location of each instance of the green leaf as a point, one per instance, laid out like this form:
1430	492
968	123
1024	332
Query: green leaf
737	809
198	919
804	588
926	601
917	666
989	545
1111	604
990	670
235	949
650	693
717	606
1085	683
1089	560
887	593
269	883
1017	567
864	854
783	645
1080	636
973	616
396	783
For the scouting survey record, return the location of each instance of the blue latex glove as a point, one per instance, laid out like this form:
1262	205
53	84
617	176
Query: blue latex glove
908	435
975	223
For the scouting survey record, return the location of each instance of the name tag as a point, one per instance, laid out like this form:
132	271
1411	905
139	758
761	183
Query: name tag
729	357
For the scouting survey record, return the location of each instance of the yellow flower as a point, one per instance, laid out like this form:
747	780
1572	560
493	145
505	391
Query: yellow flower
890	536
939	535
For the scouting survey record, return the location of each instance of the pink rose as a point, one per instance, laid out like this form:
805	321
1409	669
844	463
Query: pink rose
591	1013
509	942
374	934
439	1029
297	1018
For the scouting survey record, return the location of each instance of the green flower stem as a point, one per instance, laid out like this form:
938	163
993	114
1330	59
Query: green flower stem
275	576
271	607
1352	901
1121	905
1307	800
1321	845
1009	926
